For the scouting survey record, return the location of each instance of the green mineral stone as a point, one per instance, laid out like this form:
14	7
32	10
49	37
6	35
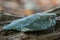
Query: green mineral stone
34	22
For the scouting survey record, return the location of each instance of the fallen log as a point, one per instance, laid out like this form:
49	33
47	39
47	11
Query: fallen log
50	36
22	36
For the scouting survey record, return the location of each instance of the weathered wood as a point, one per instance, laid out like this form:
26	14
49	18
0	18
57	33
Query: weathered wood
22	36
50	36
5	22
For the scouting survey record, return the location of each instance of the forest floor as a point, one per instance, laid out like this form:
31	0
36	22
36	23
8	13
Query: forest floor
23	36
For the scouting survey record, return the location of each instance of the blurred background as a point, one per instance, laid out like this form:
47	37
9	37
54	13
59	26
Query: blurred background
14	9
27	7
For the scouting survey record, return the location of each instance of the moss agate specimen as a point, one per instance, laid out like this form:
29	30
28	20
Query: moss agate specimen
34	22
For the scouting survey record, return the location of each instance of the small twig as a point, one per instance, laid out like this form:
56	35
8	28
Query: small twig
53	9
4	22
